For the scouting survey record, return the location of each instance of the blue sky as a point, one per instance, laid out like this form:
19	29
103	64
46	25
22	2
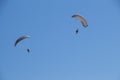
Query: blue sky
57	53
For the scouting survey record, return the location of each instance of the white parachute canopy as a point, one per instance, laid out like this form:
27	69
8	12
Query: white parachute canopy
20	39
83	21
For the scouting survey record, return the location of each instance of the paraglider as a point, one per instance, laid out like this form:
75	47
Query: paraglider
83	21
28	50
77	30
20	39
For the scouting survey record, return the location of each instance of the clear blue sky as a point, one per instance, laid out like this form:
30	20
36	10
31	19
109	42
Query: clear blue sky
57	53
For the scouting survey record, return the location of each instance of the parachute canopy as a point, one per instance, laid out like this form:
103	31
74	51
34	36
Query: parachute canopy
83	21
20	39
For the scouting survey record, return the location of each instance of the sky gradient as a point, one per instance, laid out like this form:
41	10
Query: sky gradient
57	53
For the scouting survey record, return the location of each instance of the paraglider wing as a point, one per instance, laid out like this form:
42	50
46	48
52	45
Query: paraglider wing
20	39
83	21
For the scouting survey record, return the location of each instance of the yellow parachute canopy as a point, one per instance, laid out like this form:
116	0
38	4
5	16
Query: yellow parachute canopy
83	21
